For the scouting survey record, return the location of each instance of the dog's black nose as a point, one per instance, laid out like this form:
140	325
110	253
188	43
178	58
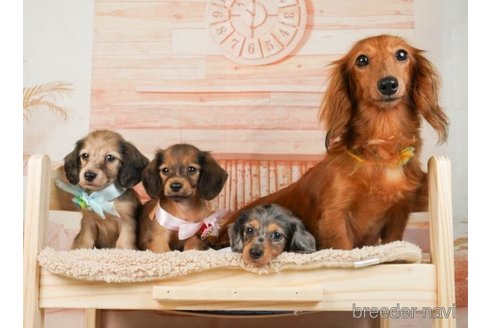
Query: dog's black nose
176	186
89	176
388	85
255	253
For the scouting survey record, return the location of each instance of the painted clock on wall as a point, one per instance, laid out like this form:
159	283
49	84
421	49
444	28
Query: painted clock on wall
257	32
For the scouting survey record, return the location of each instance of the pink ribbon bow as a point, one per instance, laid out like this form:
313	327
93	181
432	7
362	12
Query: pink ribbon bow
208	226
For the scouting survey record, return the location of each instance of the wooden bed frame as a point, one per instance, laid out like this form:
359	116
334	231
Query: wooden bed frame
388	285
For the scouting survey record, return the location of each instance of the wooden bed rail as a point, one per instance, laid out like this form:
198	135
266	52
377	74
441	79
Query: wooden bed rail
273	294
35	228
441	234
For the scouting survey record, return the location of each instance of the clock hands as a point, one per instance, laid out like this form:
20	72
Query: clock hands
253	17
252	13
246	8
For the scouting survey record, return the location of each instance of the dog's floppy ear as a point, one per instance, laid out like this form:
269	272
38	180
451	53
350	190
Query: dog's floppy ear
133	163
337	103
212	177
301	240
236	231
151	178
425	94
72	163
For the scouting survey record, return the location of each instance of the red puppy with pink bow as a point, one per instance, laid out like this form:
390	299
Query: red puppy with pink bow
180	180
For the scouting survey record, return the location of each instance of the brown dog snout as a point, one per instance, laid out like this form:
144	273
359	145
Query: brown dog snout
176	186
256	252
89	176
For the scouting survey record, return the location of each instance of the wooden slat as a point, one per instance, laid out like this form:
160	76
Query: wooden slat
155	116
232	89
132	35
35	229
251	294
218	67
264	178
441	235
156	15
296	84
146	1
132	48
108	98
362	8
227	141
384	323
410	284
148	61
296	98
148	73
106	92
327	22
251	141
92	318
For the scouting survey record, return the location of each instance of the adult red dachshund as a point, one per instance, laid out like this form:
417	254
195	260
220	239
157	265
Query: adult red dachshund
362	192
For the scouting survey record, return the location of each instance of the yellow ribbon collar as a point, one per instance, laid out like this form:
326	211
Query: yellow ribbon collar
405	156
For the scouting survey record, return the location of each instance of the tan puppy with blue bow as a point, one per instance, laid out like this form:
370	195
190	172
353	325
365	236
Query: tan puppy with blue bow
99	174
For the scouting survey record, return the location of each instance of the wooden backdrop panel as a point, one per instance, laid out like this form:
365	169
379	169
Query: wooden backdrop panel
159	78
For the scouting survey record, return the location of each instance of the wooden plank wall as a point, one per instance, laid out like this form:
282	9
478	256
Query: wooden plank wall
158	78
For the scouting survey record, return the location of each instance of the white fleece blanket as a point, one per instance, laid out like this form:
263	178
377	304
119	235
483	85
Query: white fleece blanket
123	266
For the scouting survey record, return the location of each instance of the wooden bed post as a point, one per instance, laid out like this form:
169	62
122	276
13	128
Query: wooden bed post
35	227
441	238
92	318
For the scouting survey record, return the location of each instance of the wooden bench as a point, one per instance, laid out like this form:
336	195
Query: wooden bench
408	285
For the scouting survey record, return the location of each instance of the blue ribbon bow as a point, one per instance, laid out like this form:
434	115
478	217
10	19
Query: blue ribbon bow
98	201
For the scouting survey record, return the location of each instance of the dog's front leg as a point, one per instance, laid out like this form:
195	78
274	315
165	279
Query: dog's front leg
194	243
86	238
396	219
127	238
334	230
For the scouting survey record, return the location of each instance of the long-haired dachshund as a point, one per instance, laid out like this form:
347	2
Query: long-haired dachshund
263	232
180	180
370	179
100	172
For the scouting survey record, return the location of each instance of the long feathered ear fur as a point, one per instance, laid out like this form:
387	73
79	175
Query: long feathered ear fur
133	163
236	230
425	93
302	241
336	107
72	163
150	177
212	177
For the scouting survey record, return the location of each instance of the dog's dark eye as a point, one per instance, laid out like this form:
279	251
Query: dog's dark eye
84	156
276	235
191	170
362	61
401	55
165	171
110	158
249	230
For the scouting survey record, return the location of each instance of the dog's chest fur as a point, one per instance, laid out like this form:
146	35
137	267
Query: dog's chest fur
386	183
